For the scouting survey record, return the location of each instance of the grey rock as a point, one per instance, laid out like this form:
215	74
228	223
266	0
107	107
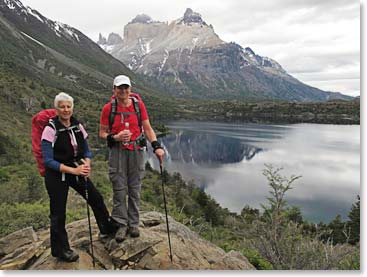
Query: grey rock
101	39
149	251
15	240
114	38
141	18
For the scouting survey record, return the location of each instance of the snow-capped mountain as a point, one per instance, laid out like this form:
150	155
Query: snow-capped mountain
190	60
58	56
28	14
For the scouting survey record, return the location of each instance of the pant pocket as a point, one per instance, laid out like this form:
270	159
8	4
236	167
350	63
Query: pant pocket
113	160
141	158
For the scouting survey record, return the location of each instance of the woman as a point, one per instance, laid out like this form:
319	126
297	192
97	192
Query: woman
64	142
123	123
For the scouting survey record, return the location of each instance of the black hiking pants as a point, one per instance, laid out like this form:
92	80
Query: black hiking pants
58	193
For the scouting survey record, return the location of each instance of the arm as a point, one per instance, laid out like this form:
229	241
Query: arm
148	131
150	134
103	131
87	157
87	154
121	136
48	160
48	156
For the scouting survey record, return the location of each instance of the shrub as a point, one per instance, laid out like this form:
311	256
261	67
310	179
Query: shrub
282	242
21	215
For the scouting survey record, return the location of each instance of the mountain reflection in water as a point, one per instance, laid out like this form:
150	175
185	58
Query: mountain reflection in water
227	160
199	148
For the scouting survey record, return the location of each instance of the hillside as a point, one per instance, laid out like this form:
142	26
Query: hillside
38	59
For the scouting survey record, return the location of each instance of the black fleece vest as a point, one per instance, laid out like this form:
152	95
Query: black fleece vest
63	149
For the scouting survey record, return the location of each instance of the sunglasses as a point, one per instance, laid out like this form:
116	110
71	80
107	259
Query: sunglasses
121	87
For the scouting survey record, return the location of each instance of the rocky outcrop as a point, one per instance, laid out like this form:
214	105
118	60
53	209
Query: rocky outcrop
192	17
114	39
27	249
101	39
142	18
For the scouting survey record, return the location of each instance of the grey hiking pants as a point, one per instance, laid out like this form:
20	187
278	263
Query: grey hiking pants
126	171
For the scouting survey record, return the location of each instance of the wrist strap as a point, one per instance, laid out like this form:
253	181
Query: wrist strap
156	145
110	138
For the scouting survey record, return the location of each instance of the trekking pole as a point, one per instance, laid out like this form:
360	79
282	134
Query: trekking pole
88	213
165	209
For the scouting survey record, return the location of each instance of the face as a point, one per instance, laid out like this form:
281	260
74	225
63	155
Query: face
122	92
64	110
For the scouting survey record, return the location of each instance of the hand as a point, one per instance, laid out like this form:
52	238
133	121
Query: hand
124	136
87	162
160	154
82	170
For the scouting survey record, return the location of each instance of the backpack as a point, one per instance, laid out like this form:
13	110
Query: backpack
39	122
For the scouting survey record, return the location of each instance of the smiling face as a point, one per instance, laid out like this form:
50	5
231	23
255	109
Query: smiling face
64	110
122	92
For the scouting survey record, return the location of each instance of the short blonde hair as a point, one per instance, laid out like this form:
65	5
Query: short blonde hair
62	96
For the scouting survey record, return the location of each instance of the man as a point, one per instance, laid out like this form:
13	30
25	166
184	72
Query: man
126	156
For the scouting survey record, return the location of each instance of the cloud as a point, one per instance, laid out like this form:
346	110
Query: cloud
302	35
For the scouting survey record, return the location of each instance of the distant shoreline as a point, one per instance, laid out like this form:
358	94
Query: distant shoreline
333	112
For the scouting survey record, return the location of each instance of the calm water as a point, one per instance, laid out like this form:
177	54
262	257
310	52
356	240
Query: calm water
227	161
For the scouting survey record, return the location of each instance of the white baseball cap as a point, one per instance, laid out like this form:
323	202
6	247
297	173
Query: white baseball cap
121	80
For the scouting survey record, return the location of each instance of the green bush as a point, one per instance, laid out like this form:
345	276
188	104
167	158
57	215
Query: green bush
21	215
282	241
256	260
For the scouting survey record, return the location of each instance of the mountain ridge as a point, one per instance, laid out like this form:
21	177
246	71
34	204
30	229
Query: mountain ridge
192	61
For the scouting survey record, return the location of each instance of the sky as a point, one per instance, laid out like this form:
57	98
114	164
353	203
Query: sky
317	42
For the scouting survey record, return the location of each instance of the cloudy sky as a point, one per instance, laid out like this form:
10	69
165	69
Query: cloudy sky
318	42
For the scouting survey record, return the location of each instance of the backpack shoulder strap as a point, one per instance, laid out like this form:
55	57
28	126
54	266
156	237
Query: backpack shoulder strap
52	124
112	113
137	110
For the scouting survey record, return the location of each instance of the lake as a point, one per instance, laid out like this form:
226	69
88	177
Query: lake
227	161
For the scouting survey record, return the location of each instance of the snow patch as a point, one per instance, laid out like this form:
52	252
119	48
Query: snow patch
57	28
11	6
30	11
147	47
133	63
165	58
107	48
61	28
194	41
144	46
40	43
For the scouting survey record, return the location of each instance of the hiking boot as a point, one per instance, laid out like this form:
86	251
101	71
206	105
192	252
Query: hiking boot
134	232
102	236
68	256
121	233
